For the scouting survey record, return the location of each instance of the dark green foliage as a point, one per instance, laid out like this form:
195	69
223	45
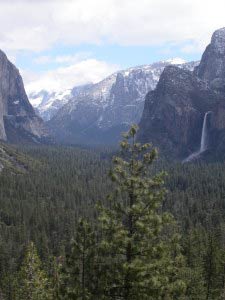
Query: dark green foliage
79	275
31	282
142	256
45	203
61	184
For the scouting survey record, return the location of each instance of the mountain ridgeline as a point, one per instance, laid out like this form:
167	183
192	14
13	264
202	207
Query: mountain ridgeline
70	231
171	116
175	112
184	108
97	113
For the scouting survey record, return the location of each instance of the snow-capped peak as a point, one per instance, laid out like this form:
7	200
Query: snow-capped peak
176	61
136	80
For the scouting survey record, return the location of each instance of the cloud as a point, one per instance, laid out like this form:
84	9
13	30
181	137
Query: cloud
39	25
68	59
85	71
62	59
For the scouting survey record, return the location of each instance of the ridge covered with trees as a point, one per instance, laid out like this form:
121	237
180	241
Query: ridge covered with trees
70	229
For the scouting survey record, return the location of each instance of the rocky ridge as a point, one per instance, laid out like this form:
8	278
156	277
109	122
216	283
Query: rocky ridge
174	113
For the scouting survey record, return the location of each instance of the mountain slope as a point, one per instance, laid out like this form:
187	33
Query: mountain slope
18	121
212	65
12	160
99	112
175	113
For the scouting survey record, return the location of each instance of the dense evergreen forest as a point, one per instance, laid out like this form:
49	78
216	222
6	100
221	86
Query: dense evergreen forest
61	197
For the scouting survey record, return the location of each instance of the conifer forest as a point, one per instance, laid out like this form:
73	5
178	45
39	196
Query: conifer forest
80	223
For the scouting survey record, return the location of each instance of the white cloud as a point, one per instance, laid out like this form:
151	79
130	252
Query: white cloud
68	59
86	71
30	25
62	59
39	25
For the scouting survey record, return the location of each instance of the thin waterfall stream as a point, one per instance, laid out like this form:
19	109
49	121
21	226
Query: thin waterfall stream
204	141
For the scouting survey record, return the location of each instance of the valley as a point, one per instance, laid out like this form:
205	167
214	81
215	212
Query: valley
64	184
114	189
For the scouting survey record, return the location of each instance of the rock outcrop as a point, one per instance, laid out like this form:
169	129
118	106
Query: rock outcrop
18	121
173	114
212	65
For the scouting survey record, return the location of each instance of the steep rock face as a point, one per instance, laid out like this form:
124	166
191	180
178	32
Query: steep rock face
48	103
174	113
212	70
212	65
17	116
99	112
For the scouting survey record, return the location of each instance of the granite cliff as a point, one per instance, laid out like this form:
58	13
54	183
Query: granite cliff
18	121
174	113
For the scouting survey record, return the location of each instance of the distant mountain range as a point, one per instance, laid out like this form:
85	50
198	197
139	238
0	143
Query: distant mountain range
97	113
183	113
88	114
47	103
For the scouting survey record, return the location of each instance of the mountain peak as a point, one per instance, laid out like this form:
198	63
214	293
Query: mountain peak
212	65
218	40
174	75
175	113
2	54
176	61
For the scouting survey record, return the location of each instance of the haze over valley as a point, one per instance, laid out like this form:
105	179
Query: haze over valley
112	150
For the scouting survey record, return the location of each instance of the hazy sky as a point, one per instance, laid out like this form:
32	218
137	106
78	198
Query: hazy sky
61	43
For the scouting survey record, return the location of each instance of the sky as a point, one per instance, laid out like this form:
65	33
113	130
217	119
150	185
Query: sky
58	44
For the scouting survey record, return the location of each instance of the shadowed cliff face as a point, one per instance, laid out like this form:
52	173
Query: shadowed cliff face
212	70
173	114
17	116
212	65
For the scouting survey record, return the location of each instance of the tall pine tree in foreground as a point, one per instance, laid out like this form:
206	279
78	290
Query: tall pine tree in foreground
32	282
140	251
79	273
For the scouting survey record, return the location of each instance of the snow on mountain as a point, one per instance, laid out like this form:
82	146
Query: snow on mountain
176	61
47	103
112	104
145	78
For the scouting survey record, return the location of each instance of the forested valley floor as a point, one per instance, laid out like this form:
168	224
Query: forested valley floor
44	202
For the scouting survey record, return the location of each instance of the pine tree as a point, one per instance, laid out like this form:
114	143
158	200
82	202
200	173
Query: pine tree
140	246
195	252
213	266
79	273
32	282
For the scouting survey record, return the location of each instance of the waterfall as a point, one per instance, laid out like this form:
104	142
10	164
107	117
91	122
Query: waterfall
204	141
